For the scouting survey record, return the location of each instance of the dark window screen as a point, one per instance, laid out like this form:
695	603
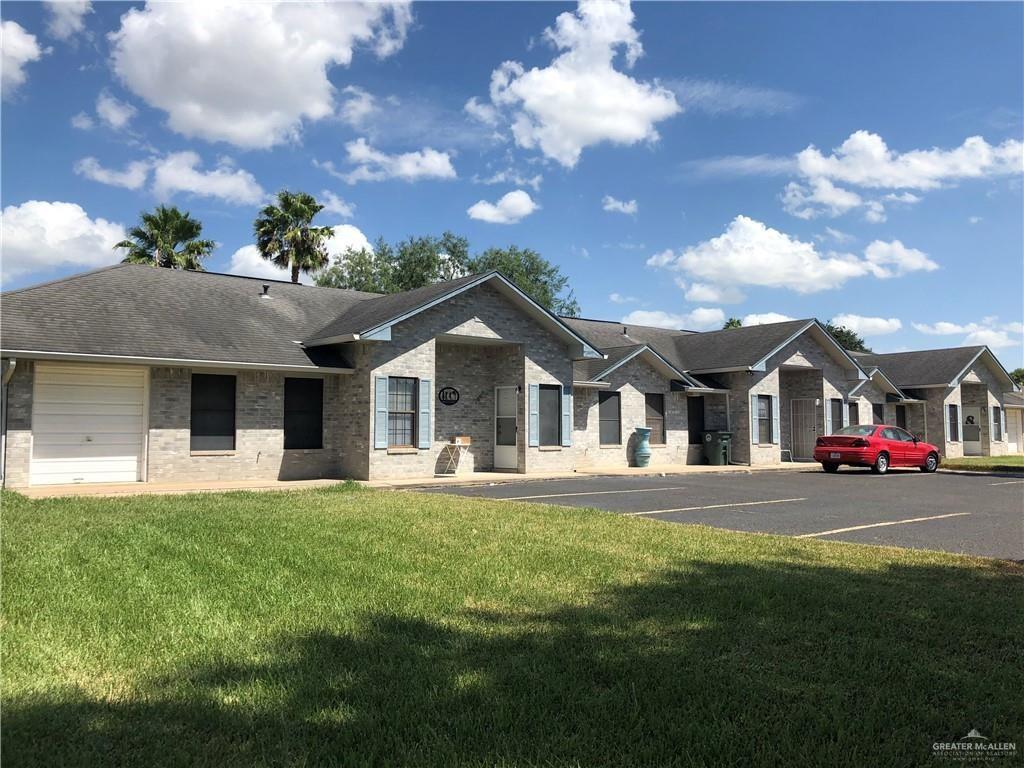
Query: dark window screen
695	419
401	412
550	414
901	416
878	413
954	424
608	414
303	413
997	424
854	414
213	413
764	418
655	408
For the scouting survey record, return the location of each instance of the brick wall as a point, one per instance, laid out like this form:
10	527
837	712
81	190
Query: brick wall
632	381
259	432
19	425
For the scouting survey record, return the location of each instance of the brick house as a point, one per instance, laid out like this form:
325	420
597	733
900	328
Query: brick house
130	373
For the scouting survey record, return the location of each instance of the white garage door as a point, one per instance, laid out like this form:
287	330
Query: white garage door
87	423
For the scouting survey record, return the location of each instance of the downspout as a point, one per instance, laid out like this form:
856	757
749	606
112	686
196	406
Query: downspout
8	371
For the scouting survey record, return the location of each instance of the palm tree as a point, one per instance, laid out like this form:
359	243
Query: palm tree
168	238
285	234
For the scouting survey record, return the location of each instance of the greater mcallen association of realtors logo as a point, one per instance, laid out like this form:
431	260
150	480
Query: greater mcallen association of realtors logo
974	747
448	395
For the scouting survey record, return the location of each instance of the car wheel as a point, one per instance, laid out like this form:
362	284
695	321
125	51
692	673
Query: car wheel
931	463
828	467
881	465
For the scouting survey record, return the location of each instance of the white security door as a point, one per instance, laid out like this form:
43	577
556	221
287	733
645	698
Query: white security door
1014	444
972	430
88	423
803	428
506	453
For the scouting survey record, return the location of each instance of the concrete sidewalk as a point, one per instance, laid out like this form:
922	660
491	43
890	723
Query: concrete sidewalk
468	479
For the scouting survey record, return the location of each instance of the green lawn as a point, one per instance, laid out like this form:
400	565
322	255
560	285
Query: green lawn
987	463
349	627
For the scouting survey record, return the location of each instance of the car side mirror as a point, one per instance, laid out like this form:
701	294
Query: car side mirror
916	439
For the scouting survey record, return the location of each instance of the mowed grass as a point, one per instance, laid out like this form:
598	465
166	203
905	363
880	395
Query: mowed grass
1012	463
350	627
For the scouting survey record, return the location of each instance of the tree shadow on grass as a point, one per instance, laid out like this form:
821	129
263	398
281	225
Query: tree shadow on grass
707	664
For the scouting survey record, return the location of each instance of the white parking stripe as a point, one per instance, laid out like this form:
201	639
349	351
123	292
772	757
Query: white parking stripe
712	506
1009	482
879	525
589	493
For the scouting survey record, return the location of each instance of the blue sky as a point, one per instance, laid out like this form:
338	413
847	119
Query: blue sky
681	163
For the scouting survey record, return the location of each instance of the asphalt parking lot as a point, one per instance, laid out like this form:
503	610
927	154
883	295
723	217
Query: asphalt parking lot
977	515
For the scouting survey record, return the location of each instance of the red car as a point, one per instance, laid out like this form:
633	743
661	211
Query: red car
878	446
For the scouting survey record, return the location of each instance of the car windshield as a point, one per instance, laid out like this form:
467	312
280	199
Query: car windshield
857	430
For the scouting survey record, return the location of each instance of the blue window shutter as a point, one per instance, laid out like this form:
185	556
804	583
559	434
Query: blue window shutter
991	424
775	419
1002	416
846	413
380	412
425	428
567	415
534	406
755	436
828	416
945	418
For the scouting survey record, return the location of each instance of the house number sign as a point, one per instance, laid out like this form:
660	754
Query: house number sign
448	395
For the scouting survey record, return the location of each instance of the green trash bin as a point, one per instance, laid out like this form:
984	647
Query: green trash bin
717	447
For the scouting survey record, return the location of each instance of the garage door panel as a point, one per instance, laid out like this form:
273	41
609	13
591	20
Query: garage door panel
87	423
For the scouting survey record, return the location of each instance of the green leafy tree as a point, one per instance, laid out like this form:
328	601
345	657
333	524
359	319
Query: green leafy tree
412	263
286	236
167	238
847	339
732	322
542	280
1017	374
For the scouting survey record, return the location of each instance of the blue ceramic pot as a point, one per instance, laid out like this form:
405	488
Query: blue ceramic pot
642	453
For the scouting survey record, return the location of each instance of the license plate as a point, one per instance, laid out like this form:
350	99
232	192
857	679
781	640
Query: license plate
834	455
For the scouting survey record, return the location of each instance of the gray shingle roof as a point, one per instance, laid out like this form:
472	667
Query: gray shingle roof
922	368
687	351
366	315
139	311
589	370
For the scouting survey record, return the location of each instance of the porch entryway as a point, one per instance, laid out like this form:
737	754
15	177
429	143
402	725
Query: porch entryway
804	430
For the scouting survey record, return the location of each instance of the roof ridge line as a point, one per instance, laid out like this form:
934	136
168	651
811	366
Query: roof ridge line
56	280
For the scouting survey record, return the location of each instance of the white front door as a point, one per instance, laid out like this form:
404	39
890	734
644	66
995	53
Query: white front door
972	431
88	423
506	453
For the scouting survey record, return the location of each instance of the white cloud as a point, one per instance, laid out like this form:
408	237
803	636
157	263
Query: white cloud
19	48
716	97
743	165
907	198
247	73
715	294
82	122
974	219
628	207
868	326
374	165
751	253
358	107
334	204
40	236
618	298
133	176
837	235
1017	328
992	338
513	177
485	113
66	17
894	259
580	99
179	172
700	319
945	328
511	208
766	318
114	112
803	200
865	160
247	260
